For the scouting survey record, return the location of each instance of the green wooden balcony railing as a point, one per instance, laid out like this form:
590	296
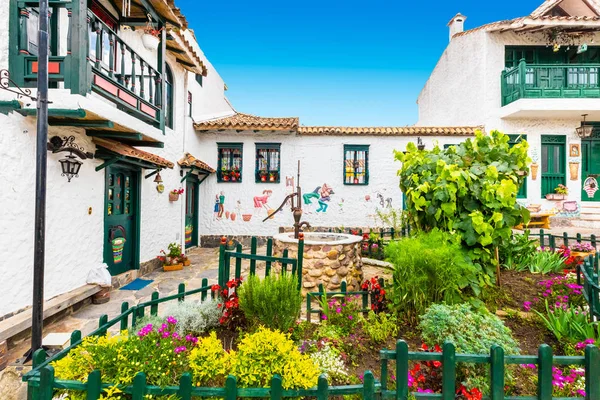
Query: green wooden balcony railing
93	57
550	81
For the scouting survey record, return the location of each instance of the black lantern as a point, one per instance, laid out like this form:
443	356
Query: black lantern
584	131
420	144
70	165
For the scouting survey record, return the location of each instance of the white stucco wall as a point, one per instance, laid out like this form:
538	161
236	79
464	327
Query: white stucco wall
321	160
75	238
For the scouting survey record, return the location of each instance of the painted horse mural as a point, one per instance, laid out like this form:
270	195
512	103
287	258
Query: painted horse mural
322	194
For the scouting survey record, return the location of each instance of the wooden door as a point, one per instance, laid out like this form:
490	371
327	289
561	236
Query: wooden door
191	212
121	219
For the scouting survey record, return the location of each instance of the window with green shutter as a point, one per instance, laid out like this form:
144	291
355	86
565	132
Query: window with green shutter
268	162
356	164
553	162
230	162
514	139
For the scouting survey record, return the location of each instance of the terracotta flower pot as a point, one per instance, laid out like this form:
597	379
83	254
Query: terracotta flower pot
246	217
173	196
232	216
534	170
174	267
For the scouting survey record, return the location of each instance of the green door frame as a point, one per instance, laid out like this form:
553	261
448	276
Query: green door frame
138	209
587	158
193	179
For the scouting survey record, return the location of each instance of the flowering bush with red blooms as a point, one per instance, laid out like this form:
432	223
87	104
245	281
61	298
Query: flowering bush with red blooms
377	292
233	317
570	261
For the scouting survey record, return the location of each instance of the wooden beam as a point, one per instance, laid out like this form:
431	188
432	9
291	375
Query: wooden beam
187	175
175	50
109	162
115	135
152	173
152	11
56	112
82	123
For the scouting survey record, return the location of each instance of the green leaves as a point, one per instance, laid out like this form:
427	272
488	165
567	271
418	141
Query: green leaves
470	188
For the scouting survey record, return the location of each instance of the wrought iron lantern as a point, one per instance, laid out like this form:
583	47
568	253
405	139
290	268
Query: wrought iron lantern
584	131
70	165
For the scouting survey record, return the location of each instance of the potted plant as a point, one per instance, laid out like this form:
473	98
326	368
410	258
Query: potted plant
174	194
272	176
560	193
225	174
582	250
172	260
150	37
235	174
184	260
263	176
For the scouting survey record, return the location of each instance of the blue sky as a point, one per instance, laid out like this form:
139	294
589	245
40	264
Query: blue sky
332	62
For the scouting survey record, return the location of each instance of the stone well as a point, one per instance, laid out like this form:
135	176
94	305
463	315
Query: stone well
329	258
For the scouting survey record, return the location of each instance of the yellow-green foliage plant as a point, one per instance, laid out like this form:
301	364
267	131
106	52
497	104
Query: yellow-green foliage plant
274	301
209	363
265	353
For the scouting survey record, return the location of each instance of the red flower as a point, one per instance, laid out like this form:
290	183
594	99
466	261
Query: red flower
215	288
437	364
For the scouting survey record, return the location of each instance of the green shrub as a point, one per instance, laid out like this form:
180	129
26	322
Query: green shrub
274	302
380	327
195	317
544	262
265	353
517	252
429	268
340	311
471	331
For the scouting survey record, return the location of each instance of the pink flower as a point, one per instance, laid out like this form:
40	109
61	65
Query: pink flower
324	317
350	317
171	320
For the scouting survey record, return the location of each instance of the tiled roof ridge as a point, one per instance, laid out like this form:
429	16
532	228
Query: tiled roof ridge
189	160
244	121
390	130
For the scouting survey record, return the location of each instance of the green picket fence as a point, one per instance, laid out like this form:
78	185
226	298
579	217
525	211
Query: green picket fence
587	276
366	298
384	233
555	241
226	256
497	361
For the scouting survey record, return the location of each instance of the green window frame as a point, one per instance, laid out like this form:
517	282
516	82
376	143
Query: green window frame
512	140
356	164
199	79
554	162
230	162
268	163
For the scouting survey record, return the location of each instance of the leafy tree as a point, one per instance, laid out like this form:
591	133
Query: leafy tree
469	189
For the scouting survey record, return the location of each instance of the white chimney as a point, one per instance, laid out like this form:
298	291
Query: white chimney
457	24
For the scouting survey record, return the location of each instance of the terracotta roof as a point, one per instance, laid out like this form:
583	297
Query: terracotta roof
389	131
172	13
241	121
185	54
537	19
190	161
129	151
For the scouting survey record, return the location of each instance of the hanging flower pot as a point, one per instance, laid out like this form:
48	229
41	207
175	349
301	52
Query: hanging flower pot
150	41
173	196
534	170
574	170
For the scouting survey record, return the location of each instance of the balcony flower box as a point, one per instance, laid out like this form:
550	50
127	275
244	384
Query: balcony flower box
556	196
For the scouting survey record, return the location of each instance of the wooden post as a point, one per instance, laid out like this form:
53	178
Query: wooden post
98	30
154	307
150	84
322	388
132	88
269	254
181	291
592	371
497	373
185	387
222	249
369	386
125	319
122	72
75	337
142	91
238	262
139	386
231	388
111	56
102	322
253	246
448	371
401	370
544	372
94	385
522	77
204	284
283	264
46	383
276	388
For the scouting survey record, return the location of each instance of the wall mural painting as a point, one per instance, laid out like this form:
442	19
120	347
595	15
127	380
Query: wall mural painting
262	202
590	185
322	194
219	209
387	203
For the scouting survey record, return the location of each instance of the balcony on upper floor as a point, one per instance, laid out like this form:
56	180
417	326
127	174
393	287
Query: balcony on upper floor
94	47
550	90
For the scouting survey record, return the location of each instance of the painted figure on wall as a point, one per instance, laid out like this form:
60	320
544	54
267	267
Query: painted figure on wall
261	201
387	203
216	211
221	205
322	194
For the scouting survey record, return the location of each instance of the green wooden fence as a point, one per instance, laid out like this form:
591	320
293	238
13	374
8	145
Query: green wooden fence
366	298
226	256
497	362
587	276
555	241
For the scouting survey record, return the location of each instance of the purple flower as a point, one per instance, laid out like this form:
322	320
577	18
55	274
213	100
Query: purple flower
171	320
338	310
180	349
324	317
165	335
350	317
527	305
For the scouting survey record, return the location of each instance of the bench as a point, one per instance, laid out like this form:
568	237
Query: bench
538	220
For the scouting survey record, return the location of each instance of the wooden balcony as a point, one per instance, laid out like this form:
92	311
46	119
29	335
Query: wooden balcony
86	55
550	81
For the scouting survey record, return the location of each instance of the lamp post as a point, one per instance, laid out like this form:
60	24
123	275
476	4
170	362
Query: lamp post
37	318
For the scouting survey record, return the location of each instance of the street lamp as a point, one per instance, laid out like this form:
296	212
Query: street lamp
584	131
